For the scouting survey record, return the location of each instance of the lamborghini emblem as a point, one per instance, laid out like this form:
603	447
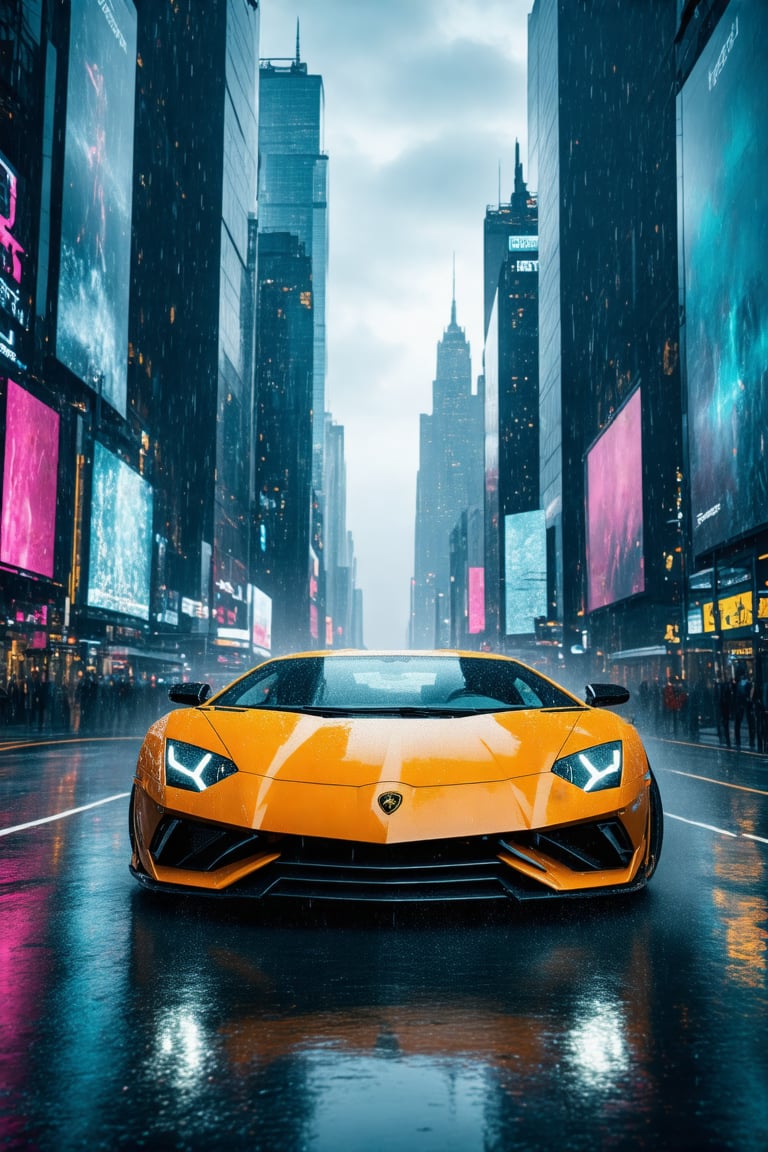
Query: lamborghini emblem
389	802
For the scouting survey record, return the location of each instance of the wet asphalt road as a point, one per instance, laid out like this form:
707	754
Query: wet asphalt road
131	1021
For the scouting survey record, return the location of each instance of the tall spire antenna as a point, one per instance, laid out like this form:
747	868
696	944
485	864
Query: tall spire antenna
499	183
520	188
453	293
298	49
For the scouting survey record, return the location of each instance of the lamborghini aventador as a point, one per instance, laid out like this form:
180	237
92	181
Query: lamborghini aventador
394	776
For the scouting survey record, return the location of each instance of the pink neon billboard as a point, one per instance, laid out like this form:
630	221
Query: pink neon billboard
28	523
476	600
262	618
615	567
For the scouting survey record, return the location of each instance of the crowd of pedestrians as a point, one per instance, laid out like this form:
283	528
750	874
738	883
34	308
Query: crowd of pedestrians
730	706
87	703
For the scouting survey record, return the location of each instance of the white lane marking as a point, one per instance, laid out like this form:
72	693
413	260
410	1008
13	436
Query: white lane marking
61	815
709	780
696	824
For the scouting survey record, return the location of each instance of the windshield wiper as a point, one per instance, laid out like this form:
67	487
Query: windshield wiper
404	710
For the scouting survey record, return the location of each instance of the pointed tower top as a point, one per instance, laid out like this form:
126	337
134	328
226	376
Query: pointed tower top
453	293
520	185
298	42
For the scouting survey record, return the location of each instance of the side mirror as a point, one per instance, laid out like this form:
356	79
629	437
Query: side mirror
605	695
190	694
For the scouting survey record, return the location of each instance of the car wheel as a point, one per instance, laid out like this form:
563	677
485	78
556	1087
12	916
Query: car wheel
655	828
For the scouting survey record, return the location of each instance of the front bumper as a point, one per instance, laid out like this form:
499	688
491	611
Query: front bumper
596	857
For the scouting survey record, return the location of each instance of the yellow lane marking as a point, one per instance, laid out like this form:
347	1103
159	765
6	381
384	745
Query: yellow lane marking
63	740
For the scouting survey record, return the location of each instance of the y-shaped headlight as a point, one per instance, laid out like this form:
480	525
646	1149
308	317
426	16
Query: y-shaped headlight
593	769
193	768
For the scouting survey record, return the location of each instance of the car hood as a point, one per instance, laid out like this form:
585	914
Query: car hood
356	751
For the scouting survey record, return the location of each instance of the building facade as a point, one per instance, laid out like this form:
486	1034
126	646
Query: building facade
128	245
511	410
193	333
449	481
722	90
293	196
602	146
285	564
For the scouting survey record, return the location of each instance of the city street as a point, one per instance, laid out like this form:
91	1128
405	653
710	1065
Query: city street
131	1021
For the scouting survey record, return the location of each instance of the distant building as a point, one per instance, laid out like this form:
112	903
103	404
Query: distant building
293	196
339	549
511	369
449	481
283	562
467	589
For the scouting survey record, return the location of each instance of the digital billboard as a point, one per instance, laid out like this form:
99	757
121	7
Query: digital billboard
525	571
121	537
92	323
14	267
261	606
230	595
476	596
28	523
615	566
724	239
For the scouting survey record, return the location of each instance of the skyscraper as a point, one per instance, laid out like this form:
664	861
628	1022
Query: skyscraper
449	481
601	135
293	196
511	268
282	561
339	547
193	303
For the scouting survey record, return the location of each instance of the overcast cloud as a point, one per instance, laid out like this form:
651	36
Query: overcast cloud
423	100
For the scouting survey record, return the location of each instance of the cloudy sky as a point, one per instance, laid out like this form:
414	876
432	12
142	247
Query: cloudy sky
424	99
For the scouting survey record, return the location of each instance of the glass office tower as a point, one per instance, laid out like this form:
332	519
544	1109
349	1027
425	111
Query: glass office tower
192	311
511	273
293	196
602	153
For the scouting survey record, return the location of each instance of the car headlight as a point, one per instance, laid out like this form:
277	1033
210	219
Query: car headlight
193	768
594	769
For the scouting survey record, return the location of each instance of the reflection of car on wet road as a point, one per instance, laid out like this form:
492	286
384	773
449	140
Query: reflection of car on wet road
394	777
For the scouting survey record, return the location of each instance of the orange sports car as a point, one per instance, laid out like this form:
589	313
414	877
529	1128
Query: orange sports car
394	776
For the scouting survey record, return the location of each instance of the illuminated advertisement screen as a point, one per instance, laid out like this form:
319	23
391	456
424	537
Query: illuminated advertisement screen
476	621
121	537
525	571
735	611
92	326
695	622
14	265
615	568
261	606
28	524
724	229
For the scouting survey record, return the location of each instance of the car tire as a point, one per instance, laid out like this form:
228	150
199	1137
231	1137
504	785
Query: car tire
131	807
655	828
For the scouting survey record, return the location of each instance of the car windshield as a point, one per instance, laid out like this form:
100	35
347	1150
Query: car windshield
396	683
